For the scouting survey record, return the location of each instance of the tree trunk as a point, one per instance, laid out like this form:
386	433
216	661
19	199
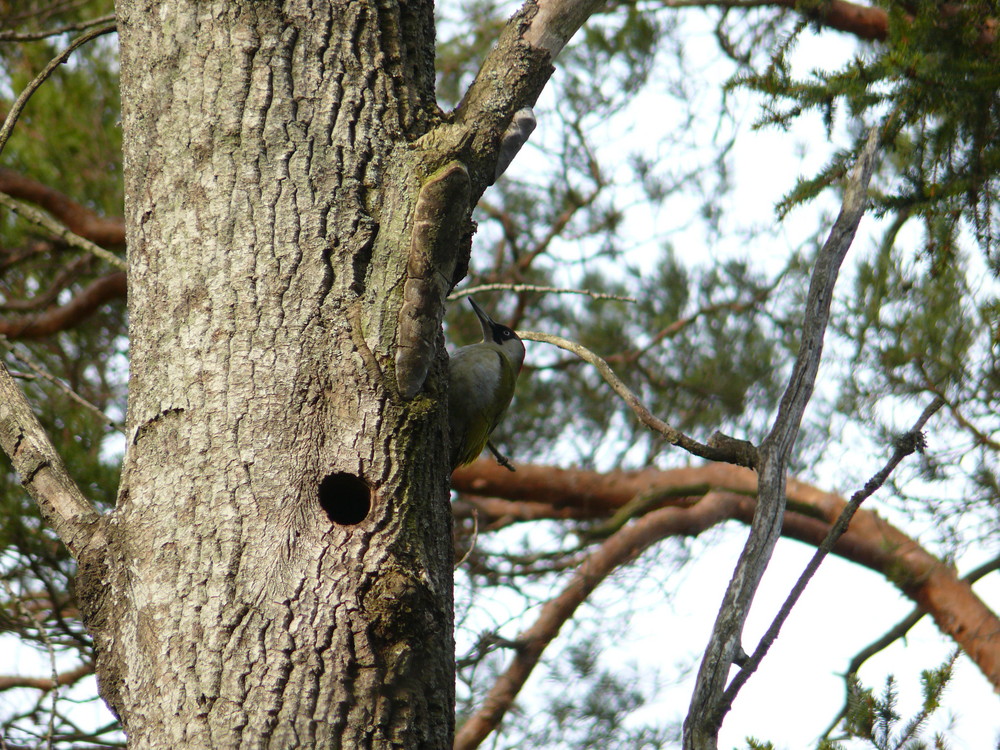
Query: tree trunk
279	566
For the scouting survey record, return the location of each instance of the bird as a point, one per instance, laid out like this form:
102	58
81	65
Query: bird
482	378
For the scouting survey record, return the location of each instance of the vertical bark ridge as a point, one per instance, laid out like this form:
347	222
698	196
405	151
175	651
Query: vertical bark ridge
266	177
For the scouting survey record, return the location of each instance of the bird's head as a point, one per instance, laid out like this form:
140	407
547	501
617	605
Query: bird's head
501	335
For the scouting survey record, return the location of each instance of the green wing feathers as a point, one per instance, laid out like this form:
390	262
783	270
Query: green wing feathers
482	385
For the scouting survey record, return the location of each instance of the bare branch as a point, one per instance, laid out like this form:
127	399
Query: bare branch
912	441
535	288
510	78
60	231
70	315
31	88
557	21
8	682
30	36
719	447
708	707
862	21
42	373
42	472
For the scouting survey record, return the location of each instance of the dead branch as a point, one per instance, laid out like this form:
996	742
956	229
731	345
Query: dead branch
497	287
718	448
905	446
893	634
34	366
708	707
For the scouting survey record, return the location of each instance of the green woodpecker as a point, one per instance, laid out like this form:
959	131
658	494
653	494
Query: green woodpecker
483	377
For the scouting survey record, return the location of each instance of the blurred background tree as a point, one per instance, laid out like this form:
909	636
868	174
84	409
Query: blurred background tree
631	190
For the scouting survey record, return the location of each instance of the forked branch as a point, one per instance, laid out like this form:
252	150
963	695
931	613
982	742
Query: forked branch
708	706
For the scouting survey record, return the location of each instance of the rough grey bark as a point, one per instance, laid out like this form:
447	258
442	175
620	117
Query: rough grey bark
278	569
250	597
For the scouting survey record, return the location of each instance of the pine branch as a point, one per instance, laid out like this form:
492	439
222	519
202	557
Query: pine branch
73	313
101	230
30	36
37	217
540	492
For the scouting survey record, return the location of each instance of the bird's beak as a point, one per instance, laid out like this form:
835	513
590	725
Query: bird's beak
485	320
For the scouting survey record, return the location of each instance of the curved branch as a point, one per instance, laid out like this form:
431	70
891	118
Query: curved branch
42	472
101	230
870	541
70	315
37	81
28	36
718	448
864	22
619	549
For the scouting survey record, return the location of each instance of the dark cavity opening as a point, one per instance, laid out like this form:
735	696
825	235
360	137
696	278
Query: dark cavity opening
345	498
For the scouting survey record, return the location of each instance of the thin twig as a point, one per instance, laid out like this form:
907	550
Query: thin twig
49	648
719	447
500	457
535	288
897	631
59	230
40	371
475	536
912	441
31	88
31	36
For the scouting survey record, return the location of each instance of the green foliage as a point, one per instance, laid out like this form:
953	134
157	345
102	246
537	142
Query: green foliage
705	345
875	719
933	88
